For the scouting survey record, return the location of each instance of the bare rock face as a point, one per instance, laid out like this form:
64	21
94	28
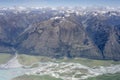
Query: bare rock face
35	33
112	46
64	38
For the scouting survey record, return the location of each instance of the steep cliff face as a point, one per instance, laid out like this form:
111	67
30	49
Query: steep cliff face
59	37
112	48
57	34
105	34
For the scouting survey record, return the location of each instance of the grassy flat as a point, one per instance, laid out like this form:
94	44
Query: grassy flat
4	57
90	62
35	77
106	77
30	59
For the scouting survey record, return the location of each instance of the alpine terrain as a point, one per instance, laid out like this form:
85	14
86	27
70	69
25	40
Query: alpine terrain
61	32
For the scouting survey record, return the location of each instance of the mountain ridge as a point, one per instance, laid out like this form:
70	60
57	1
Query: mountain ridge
58	33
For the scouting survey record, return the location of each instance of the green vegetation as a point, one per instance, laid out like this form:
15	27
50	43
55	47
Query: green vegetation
67	73
29	59
4	57
79	75
90	62
35	65
106	77
83	70
36	77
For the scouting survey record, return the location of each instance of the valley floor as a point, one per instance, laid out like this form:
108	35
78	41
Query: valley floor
44	68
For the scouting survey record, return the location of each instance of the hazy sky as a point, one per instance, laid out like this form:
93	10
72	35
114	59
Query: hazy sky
54	3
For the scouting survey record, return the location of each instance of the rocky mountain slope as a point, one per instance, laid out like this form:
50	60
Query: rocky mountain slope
61	32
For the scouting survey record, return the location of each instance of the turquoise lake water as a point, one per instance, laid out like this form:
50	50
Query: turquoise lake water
8	74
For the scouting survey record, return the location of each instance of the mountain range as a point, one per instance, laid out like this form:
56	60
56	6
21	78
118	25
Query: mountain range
61	32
